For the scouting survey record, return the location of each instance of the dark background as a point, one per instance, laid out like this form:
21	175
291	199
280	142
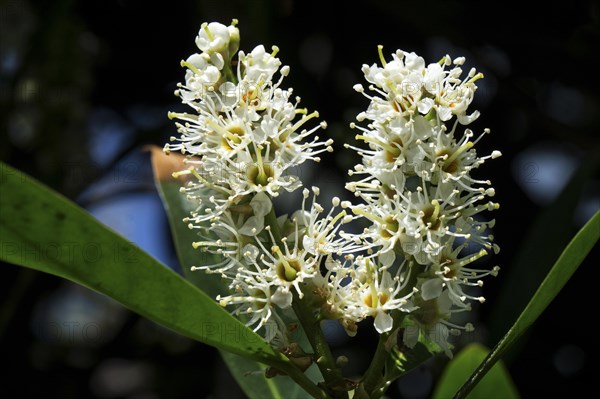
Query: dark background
85	85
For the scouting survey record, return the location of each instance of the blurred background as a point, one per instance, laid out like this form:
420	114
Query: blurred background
84	86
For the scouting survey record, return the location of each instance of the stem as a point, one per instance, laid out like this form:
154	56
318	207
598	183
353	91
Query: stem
301	379
380	389
373	379
374	373
324	357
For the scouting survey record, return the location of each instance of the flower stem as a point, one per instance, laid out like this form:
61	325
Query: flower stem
324	358
374	373
301	379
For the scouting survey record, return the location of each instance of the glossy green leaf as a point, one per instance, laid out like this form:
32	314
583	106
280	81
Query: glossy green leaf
560	273
497	384
177	208
42	230
249	374
542	245
399	363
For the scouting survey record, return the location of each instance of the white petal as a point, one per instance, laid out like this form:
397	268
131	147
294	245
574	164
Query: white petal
302	216
217	60
282	298
211	75
229	93
261	204
439	334
425	105
202	43
465	119
431	288
413	61
444	113
422	258
383	322
408	307
253	226
386	281
197	60
310	245
258	51
409	244
387	258
444	303
292	183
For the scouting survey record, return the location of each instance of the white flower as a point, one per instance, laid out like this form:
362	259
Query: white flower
405	87
259	65
200	76
432	319
453	273
254	295
400	79
391	149
218	41
320	233
452	95
373	292
212	37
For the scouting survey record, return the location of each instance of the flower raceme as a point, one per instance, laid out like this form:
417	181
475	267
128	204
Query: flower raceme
244	136
422	205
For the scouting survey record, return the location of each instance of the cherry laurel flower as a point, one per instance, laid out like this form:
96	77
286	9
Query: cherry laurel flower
419	198
244	136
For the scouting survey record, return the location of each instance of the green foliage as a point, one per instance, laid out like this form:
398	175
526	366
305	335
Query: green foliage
497	384
542	245
561	272
44	231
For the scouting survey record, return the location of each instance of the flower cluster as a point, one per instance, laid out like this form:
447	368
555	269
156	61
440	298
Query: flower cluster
421	202
243	141
245	137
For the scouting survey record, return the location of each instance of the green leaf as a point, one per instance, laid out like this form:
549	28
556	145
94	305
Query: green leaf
42	230
398	362
177	208
560	273
543	244
496	384
401	362
249	374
